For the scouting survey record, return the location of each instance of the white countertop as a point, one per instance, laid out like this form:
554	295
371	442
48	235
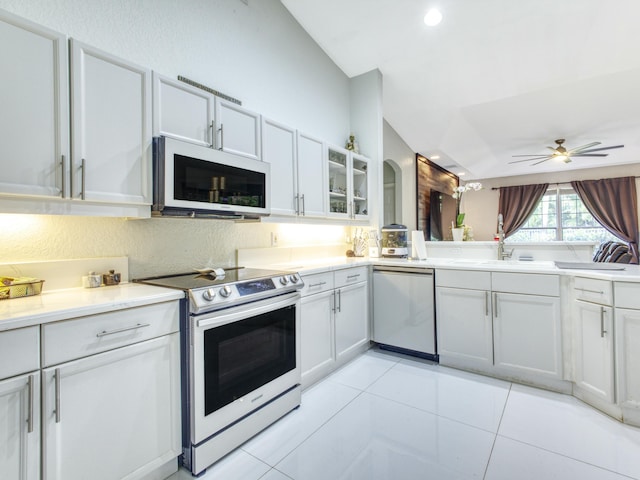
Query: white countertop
631	273
77	302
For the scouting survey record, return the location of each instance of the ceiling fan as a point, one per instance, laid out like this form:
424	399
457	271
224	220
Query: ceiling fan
564	155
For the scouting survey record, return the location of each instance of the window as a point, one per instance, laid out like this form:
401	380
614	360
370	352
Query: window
561	215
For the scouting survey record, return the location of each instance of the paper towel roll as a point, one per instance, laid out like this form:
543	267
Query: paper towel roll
418	247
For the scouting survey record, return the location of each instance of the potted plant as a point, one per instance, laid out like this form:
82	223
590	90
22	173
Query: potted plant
458	229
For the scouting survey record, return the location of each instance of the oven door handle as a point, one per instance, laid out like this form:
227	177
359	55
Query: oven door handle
217	319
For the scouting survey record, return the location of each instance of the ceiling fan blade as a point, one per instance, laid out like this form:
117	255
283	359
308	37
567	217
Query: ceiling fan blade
583	147
541	161
601	148
532	155
546	157
590	155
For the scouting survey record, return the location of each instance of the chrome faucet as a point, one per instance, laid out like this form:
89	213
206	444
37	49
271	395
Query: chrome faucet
502	254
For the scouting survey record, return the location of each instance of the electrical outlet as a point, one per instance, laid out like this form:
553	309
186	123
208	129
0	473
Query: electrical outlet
274	239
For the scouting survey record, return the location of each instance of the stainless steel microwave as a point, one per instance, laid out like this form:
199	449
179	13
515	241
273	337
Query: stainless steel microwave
196	181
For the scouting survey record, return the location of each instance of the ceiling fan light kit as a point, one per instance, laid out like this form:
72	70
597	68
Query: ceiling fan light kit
561	154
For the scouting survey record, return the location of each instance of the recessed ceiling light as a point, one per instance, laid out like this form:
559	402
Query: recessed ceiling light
435	157
433	17
460	174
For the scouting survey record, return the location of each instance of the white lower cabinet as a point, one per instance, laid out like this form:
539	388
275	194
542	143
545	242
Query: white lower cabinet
318	356
627	328
20	427
352	320
505	324
465	334
111	395
335	320
527	333
593	351
114	414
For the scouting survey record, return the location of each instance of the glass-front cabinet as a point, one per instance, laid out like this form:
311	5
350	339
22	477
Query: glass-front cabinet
348	184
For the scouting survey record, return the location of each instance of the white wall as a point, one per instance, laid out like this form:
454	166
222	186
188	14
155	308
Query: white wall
256	53
481	207
398	151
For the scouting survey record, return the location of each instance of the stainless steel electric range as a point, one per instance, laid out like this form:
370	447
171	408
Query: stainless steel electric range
240	338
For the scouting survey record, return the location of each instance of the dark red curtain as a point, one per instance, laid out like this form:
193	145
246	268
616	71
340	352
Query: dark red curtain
517	203
614	204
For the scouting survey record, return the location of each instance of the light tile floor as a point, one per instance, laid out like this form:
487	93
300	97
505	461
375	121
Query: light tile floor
390	417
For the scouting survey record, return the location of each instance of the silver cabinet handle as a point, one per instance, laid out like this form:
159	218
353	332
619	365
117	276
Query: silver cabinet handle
212	127
221	130
30	406
339	301
296	199
333	298
486	304
64	180
495	305
349	277
353	209
602	330
303	209
104	333
599	292
319	284
57	406
84	178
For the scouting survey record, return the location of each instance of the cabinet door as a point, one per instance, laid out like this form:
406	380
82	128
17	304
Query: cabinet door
352	320
34	123
183	112
311	176
317	349
593	350
238	130
339	183
360	191
20	427
527	334
111	111
279	150
464	326
628	356
114	414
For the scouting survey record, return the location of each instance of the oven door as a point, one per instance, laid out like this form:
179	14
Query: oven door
242	358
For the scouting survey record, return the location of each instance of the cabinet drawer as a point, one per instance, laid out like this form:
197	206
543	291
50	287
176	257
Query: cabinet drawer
627	294
316	283
19	351
349	276
80	337
470	279
593	290
526	283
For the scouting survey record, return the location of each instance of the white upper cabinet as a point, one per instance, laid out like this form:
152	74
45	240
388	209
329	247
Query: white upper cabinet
279	150
34	123
183	112
348	184
238	130
111	128
311	176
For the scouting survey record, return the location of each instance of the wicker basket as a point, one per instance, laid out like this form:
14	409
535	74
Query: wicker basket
20	290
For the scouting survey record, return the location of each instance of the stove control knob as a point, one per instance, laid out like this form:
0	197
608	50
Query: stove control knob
293	278
225	291
209	294
283	280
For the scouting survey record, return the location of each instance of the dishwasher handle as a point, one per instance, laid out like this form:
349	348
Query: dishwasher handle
393	269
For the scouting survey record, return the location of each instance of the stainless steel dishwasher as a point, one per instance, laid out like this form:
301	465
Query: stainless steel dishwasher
404	310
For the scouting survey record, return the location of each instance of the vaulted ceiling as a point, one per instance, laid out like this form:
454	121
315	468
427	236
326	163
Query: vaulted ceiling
495	78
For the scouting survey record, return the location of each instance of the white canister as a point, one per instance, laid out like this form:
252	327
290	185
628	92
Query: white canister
92	280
